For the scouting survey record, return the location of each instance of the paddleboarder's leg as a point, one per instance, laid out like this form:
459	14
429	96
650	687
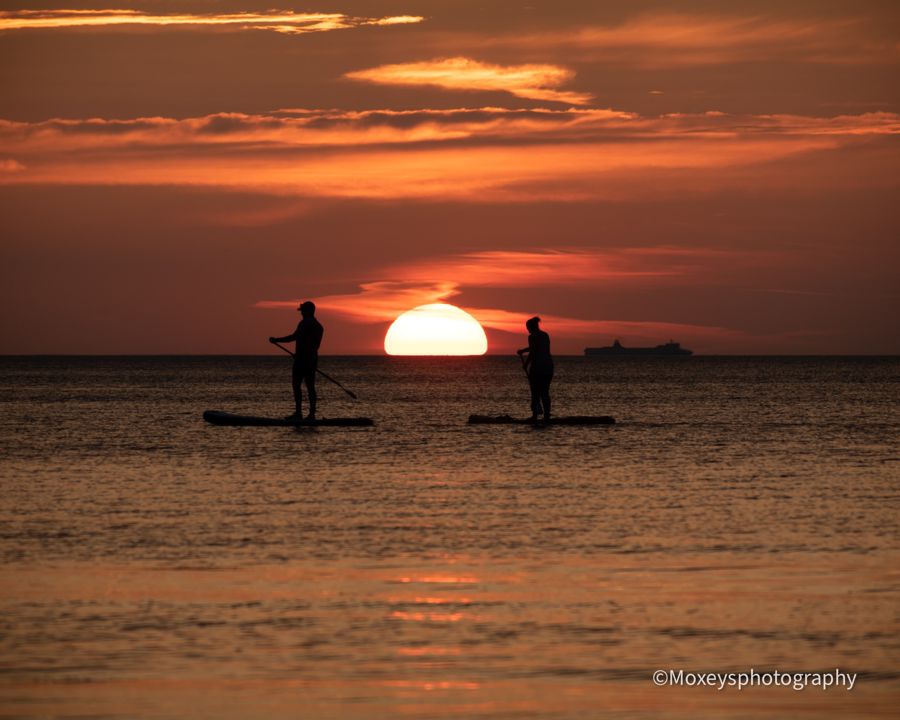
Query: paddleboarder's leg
535	395
545	394
310	379
540	394
297	383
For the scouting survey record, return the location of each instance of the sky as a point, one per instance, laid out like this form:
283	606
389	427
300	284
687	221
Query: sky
176	176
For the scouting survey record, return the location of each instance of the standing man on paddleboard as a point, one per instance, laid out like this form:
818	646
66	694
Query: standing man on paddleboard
308	337
539	368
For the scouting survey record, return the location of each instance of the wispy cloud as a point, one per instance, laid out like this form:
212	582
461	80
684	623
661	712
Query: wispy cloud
631	331
532	82
378	301
282	21
396	20
667	39
549	267
384	301
292	128
438	279
10	165
443	279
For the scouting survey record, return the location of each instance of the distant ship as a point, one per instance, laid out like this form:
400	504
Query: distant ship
617	350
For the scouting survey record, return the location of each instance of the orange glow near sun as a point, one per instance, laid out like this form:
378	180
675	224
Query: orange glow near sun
435	329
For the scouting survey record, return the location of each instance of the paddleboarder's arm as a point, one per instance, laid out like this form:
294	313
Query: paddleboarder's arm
287	338
525	355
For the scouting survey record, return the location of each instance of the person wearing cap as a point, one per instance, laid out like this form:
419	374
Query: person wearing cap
539	366
308	338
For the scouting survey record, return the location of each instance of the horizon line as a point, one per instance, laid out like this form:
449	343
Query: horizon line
598	358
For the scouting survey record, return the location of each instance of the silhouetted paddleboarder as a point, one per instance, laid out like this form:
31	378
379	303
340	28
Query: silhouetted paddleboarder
308	337
539	368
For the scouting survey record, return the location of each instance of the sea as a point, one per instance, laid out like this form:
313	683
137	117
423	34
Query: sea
740	517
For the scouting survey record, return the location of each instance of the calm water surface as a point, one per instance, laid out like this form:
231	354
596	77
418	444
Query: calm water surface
743	513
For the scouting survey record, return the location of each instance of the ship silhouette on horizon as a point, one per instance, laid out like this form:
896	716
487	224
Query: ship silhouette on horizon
669	349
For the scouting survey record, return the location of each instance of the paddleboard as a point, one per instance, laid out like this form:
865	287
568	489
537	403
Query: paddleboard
562	420
219	417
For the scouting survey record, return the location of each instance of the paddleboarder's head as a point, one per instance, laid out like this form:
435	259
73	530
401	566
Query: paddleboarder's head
307	309
532	324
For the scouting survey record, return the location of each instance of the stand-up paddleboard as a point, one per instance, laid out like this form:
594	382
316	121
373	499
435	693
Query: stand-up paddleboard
219	417
562	420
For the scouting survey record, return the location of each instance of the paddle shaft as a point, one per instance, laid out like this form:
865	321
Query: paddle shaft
525	367
324	375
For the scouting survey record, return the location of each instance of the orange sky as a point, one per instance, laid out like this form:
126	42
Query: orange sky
174	176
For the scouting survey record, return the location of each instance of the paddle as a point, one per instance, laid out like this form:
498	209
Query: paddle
524	366
324	375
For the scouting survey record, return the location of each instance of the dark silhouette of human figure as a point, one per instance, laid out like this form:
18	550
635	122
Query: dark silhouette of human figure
308	337
539	366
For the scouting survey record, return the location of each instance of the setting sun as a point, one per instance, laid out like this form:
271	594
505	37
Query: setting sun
435	329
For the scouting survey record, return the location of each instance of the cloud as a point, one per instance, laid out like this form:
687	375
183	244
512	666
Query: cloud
550	267
384	301
632	331
438	279
380	301
397	20
296	128
532	82
480	155
443	279
655	40
477	174
282	21
300	127
9	165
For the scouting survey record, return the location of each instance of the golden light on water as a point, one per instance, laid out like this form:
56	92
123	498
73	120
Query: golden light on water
435	329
